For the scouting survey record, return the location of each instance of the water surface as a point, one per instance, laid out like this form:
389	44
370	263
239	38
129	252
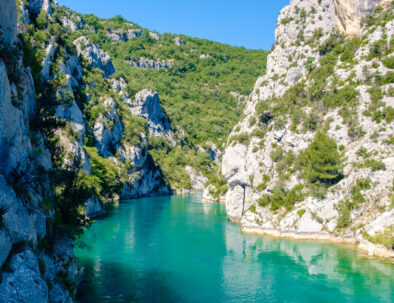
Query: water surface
176	249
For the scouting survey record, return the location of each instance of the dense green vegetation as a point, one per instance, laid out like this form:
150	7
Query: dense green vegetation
195	94
194	91
321	161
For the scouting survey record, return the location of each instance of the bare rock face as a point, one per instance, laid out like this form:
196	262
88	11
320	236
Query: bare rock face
197	178
137	154
15	147
150	63
178	41
8	20
93	207
95	55
146	181
24	283
5	245
108	129
124	35
147	105
351	12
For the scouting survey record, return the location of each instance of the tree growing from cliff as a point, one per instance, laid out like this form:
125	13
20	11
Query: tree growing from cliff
321	161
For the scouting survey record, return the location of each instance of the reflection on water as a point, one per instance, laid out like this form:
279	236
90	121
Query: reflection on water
175	249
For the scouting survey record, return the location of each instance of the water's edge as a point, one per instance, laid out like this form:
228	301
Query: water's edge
369	249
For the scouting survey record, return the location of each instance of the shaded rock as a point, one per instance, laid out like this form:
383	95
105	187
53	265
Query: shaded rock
15	145
5	245
178	41
57	294
24	283
124	35
16	220
93	207
8	20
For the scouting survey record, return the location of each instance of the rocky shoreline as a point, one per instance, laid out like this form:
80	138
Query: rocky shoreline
371	249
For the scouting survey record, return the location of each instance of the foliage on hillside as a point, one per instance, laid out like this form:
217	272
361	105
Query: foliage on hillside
195	90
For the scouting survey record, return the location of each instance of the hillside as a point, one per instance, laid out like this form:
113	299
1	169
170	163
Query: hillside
312	156
201	85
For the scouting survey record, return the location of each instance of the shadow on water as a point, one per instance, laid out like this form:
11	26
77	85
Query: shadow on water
102	282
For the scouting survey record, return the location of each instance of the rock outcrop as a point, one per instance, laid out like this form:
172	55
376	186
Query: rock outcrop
147	105
23	185
150	63
95	55
124	35
198	179
178	41
108	129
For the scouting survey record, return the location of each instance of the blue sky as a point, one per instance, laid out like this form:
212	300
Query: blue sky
248	23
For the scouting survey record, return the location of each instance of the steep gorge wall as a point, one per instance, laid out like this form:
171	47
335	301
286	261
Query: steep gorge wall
250	167
29	273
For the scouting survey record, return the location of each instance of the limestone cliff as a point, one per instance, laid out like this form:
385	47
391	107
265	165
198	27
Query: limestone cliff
30	272
65	148
319	81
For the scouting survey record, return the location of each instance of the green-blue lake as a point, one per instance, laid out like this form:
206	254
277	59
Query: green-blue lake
176	249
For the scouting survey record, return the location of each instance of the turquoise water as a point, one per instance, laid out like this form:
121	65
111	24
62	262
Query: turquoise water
176	249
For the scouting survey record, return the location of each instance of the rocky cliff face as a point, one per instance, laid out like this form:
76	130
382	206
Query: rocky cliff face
95	55
8	21
311	82
29	272
65	147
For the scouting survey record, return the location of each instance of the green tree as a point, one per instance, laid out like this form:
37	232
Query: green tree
322	161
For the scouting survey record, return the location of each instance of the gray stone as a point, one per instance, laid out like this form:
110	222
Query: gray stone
5	245
16	219
8	19
24	283
14	141
95	55
58	294
197	178
147	105
108	137
93	207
